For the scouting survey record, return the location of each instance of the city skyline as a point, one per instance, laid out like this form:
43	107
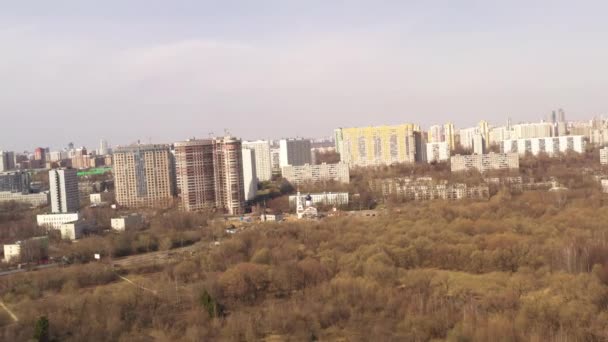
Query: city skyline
274	69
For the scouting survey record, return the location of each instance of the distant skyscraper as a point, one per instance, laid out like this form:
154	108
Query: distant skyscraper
263	162
250	178
295	152
436	134
229	183
561	115
382	145
103	148
63	184
144	175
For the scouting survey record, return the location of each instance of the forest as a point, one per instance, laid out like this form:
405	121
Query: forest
519	267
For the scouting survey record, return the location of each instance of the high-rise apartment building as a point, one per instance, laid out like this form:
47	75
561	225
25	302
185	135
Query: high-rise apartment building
195	174
63	184
382	145
466	137
40	154
484	130
450	135
275	160
144	175
295	152
250	178
436	134
532	130
263	161
479	144
210	174
7	161
229	183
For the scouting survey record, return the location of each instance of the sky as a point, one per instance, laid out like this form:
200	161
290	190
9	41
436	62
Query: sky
163	71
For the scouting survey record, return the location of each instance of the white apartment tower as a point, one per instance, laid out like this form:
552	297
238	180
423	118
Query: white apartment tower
263	161
295	152
250	178
63	185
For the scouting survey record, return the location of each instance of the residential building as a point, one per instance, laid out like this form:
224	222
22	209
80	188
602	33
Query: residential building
532	130
210	174
63	184
195	174
229	182
32	249
424	190
128	222
498	134
54	221
7	161
479	144
551	145
338	172
484	130
275	160
250	179
15	182
466	137
436	134
450	135
382	145
325	198
604	156
144	175
34	200
263	160
40	155
95	198
74	230
295	152
437	151
485	162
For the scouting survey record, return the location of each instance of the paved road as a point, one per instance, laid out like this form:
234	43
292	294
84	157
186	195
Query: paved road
25	269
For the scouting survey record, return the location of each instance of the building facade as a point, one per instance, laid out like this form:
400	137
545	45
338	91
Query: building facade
263	161
128	222
552	145
338	172
484	162
295	152
7	161
34	200
144	175
382	145
63	186
229	181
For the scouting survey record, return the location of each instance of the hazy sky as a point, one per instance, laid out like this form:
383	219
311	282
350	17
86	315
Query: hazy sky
167	70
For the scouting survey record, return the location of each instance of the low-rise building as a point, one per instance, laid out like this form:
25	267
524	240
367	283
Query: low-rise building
338	172
424	190
326	198
54	221
34	200
128	222
604	185
484	162
32	249
74	230
271	217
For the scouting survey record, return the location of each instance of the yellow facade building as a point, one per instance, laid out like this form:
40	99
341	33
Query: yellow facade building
378	145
